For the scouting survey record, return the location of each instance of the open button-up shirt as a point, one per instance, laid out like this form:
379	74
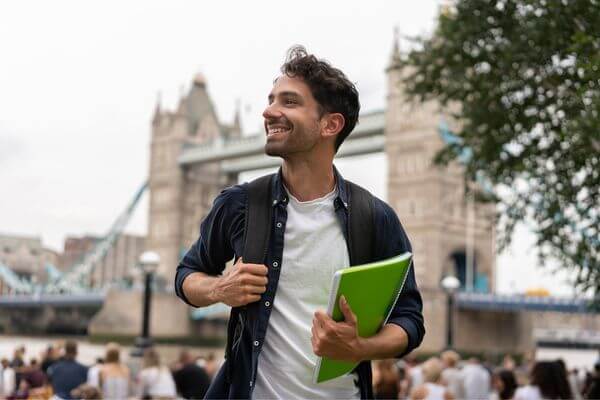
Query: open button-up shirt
222	238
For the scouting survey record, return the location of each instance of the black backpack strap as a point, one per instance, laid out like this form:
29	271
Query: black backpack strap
361	231
257	230
258	220
361	242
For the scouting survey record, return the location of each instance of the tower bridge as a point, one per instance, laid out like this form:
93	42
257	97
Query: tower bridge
193	156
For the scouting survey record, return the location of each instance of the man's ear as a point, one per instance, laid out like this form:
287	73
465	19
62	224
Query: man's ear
333	124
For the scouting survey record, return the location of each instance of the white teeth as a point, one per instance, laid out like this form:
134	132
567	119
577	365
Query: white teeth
273	131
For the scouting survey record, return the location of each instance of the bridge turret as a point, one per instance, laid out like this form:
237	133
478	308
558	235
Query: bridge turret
193	122
430	199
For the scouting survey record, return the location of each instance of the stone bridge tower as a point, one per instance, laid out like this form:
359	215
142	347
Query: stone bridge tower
430	202
179	197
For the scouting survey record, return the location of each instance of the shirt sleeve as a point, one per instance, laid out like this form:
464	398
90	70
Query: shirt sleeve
218	231
391	240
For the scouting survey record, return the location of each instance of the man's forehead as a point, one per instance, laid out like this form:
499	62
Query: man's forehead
285	83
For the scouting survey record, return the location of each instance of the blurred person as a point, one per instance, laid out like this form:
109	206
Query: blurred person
9	379
432	389
211	366
86	392
404	383
93	376
66	373
573	386
547	381
154	380
191	380
34	375
576	382
592	386
386	380
508	363
49	358
22	391
18	362
504	385
476	380
451	375
414	372
114	375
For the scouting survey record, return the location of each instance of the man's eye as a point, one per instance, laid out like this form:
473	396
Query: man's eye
290	101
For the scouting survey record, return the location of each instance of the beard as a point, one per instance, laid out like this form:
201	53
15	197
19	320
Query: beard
298	139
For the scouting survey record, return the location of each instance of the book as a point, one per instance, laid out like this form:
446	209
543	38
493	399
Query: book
371	291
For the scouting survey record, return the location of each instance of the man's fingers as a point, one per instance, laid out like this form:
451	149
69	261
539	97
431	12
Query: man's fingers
255	269
255	280
252	298
347	311
256	289
325	321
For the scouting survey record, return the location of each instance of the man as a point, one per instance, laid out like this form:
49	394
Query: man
312	108
191	380
476	380
451	374
66	374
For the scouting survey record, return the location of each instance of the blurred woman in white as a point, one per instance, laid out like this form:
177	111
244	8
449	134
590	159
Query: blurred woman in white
432	389
114	375
155	381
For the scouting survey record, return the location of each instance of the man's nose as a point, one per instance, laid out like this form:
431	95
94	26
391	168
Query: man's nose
271	111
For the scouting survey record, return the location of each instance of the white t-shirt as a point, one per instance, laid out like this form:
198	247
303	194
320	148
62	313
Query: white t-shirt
476	381
156	382
528	392
314	248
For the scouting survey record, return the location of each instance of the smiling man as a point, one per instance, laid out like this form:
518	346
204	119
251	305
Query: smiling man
280	326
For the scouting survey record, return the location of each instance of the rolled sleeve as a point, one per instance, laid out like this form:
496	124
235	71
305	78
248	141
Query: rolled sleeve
408	310
215	245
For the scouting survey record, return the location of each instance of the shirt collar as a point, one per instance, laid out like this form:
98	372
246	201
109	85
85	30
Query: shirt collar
279	194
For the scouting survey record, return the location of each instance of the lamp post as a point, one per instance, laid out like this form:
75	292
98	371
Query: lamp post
148	264
450	284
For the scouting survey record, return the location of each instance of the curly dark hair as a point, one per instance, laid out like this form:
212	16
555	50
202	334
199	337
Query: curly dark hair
330	87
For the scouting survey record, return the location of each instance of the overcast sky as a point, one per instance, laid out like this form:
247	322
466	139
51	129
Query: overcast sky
79	81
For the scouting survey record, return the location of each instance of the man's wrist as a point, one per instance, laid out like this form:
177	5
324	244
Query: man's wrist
214	293
361	352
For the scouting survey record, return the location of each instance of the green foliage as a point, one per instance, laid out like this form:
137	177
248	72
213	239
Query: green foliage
525	75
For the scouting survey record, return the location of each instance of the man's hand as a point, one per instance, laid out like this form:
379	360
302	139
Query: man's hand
241	285
337	340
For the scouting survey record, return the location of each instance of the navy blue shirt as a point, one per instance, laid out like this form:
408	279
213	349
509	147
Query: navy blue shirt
222	238
65	375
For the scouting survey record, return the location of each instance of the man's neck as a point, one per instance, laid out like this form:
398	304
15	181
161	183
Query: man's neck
308	179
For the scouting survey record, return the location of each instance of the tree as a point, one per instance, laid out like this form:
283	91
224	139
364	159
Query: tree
525	78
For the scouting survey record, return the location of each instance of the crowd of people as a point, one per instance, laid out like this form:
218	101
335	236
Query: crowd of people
58	374
447	377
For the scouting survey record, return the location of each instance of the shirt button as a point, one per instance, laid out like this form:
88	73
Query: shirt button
256	343
274	202
275	264
267	303
279	224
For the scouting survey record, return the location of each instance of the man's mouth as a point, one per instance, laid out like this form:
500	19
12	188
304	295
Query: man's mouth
274	130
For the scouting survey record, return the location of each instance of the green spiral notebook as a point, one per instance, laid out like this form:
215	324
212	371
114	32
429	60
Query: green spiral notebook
371	291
